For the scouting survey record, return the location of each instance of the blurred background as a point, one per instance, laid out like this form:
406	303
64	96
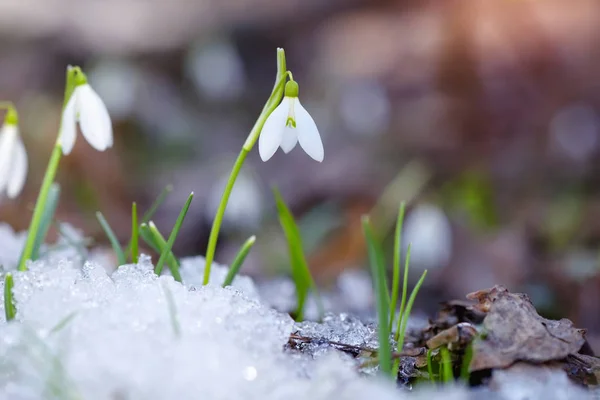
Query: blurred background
483	115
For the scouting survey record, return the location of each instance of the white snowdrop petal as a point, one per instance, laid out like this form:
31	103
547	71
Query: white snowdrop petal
18	171
308	134
8	136
272	132
94	120
289	139
68	126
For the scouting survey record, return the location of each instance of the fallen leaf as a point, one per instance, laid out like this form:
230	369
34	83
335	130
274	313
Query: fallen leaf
513	331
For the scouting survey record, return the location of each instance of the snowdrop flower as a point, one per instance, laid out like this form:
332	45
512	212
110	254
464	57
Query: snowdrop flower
13	158
289	124
87	108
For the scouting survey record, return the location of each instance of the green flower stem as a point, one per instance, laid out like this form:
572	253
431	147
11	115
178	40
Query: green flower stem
74	77
40	205
47	218
216	226
271	104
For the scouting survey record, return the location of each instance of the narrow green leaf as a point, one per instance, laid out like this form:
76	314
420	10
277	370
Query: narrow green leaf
447	374
47	218
235	266
404	292
157	203
403	320
167	250
396	265
430	366
160	244
152	210
63	322
300	272
377	264
134	234
9	305
409	304
466	362
114	242
148	237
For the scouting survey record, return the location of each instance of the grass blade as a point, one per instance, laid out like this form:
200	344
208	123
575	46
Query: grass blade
300	271
167	250
134	234
47	218
63	322
377	264
148	237
235	266
160	244
153	208
114	242
430	367
466	362
403	320
404	292
9	305
396	266
157	203
446	365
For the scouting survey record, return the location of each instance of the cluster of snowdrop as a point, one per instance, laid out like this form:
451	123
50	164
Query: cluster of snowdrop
84	107
285	124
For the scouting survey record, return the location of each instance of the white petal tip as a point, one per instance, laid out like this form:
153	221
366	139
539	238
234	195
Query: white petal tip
265	157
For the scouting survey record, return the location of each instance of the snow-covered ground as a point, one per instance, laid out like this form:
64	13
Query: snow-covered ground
83	333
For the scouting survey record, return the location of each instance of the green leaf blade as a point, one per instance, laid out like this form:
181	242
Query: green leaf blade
300	271
396	263
134	234
9	305
377	265
157	203
174	232
235	266
114	242
158	242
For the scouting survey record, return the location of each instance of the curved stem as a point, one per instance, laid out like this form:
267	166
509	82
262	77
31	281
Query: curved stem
51	170
40	205
270	105
216	227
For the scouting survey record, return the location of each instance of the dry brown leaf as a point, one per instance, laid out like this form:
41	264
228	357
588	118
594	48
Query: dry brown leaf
515	332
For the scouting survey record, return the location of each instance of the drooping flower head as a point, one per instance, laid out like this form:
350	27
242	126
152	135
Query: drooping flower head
289	124
13	157
86	108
